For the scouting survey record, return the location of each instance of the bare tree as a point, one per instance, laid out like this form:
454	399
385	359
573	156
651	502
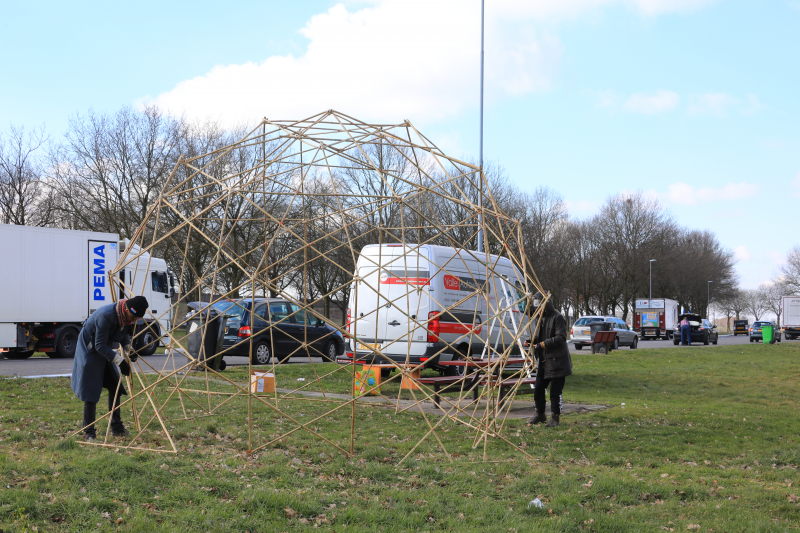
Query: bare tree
772	293
791	270
25	196
110	169
756	305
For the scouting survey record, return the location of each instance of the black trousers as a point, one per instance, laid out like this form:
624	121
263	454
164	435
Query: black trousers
539	390
110	381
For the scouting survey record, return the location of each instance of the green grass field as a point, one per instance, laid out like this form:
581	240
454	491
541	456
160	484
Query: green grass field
701	438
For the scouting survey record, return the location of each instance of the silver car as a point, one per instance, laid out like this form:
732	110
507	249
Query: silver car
581	333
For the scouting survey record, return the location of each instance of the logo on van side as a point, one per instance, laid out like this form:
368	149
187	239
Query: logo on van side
99	273
452	282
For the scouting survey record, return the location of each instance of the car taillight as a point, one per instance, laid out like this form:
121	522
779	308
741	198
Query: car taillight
244	331
751	329
49	336
433	326
349	354
348	322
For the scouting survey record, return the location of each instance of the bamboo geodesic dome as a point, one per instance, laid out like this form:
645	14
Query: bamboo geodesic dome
284	214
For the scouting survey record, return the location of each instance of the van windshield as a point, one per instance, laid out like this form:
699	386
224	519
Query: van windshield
586	320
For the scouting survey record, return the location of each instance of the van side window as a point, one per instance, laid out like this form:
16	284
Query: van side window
523	302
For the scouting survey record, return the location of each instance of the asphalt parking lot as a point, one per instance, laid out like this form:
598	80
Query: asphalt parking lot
45	366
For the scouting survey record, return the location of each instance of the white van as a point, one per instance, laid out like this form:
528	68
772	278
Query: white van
424	304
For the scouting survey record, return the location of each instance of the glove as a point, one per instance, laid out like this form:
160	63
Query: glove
118	359
125	368
132	356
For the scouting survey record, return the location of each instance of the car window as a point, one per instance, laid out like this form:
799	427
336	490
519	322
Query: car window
261	313
300	315
584	321
278	311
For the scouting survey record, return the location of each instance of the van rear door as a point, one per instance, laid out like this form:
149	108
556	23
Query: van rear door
391	298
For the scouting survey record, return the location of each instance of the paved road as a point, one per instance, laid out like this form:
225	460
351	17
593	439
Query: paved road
723	340
44	366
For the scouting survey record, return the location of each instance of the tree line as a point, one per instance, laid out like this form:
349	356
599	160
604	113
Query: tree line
767	299
108	169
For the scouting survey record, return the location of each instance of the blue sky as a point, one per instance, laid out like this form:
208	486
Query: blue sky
692	101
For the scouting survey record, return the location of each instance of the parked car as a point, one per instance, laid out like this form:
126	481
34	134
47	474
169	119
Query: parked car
755	331
740	326
581	332
278	327
702	330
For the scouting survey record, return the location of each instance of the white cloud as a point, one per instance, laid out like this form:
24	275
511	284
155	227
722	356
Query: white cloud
582	208
649	104
685	194
742	253
712	103
396	59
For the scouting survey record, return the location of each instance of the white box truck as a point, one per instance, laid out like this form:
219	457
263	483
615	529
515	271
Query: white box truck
425	304
51	280
655	318
791	317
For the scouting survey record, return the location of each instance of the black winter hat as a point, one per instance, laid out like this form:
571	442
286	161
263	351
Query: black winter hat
137	305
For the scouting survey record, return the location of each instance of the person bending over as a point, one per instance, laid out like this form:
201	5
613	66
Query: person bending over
95	365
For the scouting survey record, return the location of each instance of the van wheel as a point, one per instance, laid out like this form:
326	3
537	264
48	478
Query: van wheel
66	342
460	354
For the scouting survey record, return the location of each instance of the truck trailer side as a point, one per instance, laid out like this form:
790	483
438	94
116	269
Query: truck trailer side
51	280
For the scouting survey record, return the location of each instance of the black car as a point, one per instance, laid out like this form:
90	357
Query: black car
702	330
278	327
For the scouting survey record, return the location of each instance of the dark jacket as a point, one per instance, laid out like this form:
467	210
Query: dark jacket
95	351
553	332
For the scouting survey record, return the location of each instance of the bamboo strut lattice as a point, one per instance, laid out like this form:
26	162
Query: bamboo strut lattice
281	217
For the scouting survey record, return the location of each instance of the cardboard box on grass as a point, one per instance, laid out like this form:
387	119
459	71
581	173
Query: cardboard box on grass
368	378
262	382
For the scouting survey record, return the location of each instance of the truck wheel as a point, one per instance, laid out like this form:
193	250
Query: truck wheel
66	342
147	341
19	354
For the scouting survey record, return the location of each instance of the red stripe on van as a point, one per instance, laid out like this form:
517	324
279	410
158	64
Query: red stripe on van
456	328
404	281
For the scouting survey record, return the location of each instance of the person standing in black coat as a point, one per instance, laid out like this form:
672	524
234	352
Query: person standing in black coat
554	363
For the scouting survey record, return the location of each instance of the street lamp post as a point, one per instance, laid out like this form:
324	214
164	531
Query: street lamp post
651	278
708	298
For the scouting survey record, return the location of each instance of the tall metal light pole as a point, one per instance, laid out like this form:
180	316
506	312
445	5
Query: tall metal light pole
480	152
708	298
651	278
